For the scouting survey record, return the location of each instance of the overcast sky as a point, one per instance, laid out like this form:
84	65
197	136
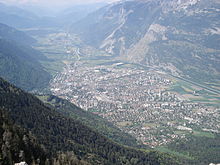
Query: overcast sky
54	2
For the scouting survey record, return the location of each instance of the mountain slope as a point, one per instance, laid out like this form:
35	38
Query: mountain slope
202	153
76	13
59	133
179	36
19	65
10	33
94	121
17	144
117	26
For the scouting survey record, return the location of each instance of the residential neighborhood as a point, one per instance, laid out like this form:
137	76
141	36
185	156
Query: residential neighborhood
138	101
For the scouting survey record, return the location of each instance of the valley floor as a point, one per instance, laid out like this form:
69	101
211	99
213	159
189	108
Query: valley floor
151	105
139	102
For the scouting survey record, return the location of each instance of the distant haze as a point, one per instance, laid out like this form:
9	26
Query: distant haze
54	2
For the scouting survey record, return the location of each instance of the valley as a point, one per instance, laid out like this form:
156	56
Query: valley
139	102
151	105
133	82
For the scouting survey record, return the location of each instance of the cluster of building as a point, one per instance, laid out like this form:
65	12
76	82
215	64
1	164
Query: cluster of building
137	101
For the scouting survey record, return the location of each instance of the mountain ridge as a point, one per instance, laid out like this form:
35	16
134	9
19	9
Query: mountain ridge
153	32
20	63
13	34
18	67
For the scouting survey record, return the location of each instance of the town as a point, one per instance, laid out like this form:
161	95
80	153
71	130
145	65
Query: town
138	101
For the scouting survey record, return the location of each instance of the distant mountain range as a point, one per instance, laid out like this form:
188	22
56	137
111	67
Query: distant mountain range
20	18
37	17
179	36
75	13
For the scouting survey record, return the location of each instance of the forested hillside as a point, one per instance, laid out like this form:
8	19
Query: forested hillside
18	66
17	144
12	34
59	133
94	121
201	149
19	62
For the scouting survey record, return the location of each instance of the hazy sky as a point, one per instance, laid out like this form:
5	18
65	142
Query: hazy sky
54	2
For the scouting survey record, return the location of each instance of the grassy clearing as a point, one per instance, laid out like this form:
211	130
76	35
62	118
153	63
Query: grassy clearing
206	101
95	62
53	67
178	89
181	132
167	150
181	87
194	93
203	134
124	124
151	125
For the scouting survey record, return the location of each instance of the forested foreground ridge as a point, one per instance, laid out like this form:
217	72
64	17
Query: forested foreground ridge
17	145
201	149
68	138
87	118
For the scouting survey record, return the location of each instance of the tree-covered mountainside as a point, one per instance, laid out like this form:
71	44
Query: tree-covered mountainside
17	144
15	35
59	133
179	36
19	62
19	65
94	121
201	149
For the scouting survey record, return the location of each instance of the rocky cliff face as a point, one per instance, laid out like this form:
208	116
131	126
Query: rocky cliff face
168	33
